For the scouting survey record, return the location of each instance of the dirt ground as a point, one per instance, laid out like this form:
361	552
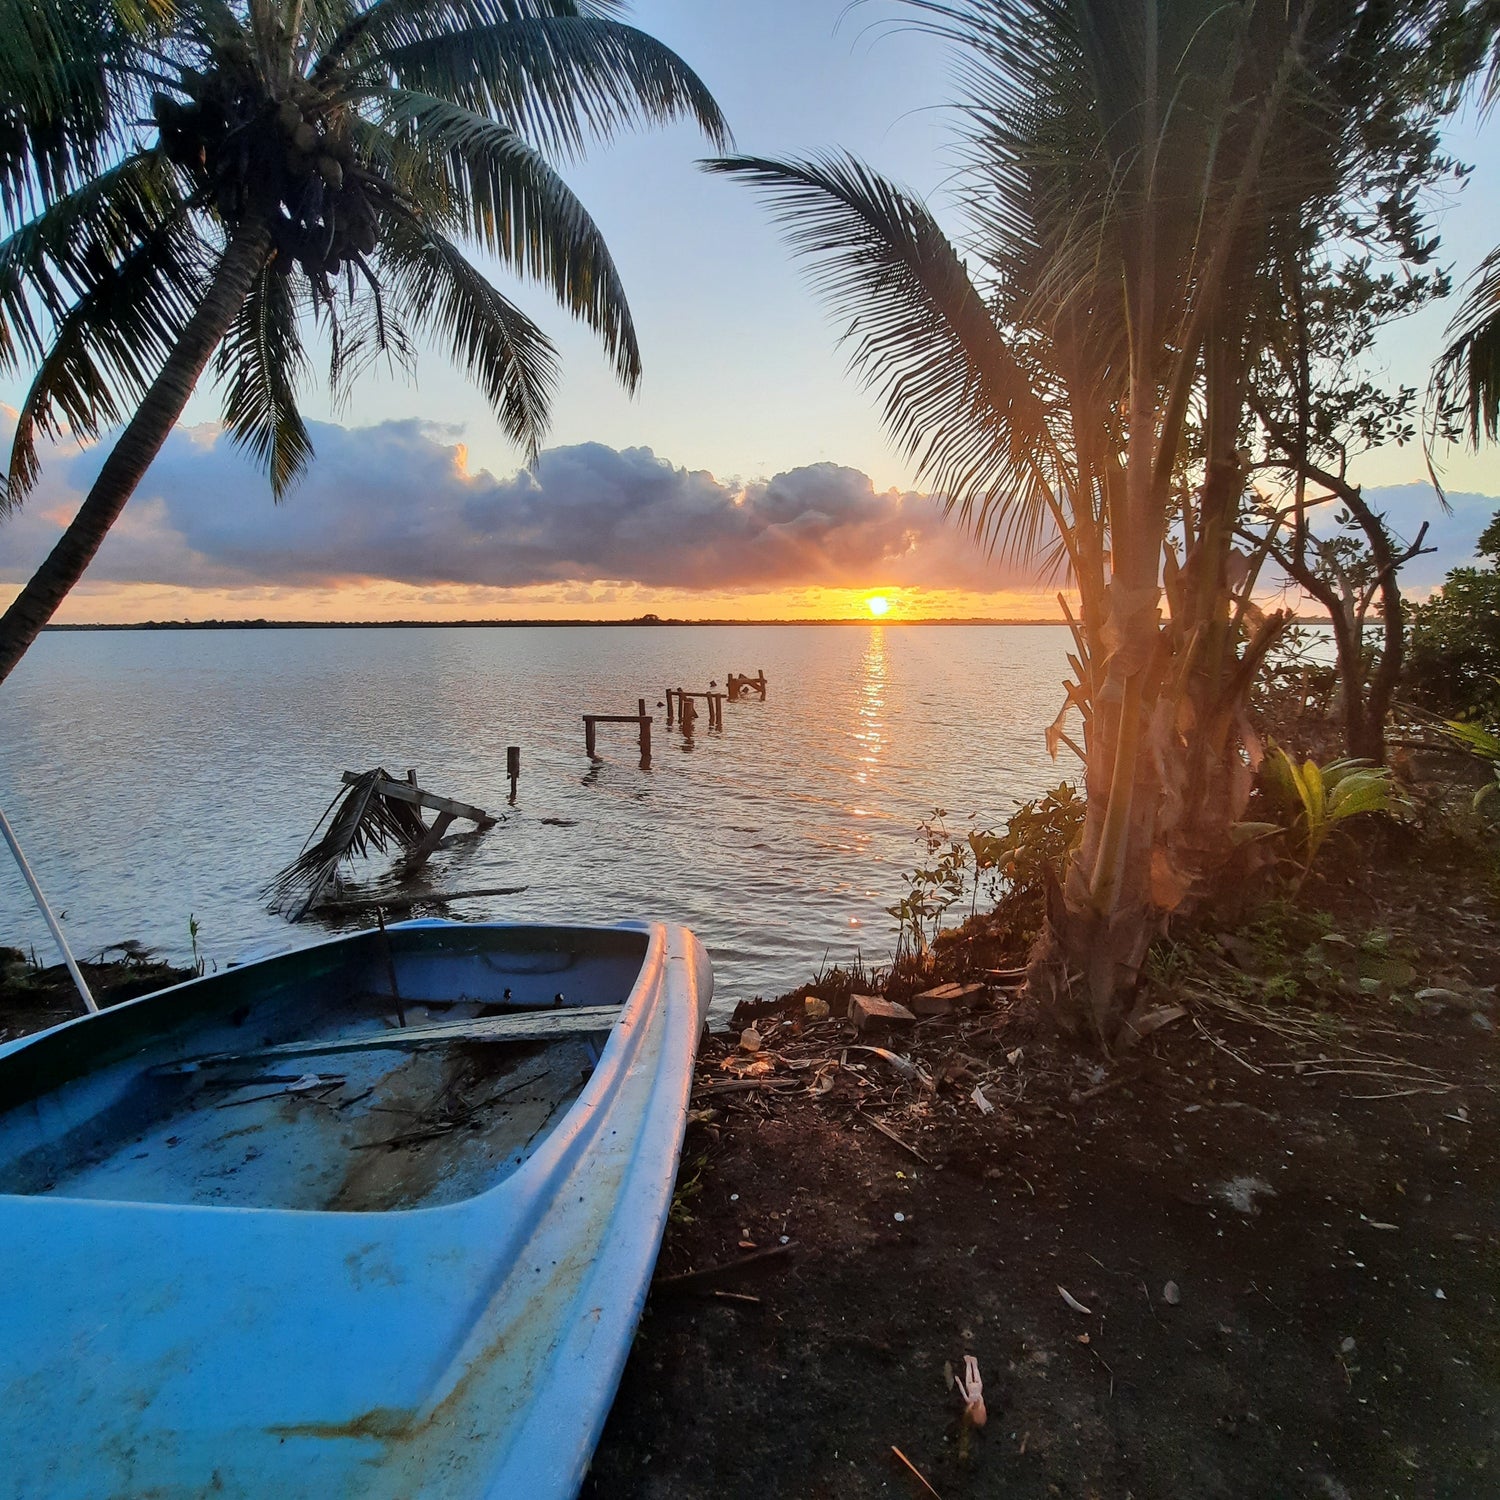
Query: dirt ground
32	998
1259	1256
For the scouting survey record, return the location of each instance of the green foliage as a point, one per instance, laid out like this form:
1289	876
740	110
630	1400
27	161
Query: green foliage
689	1186
1485	744
1295	684
1313	801
1288	953
1011	865
936	883
1037	839
1453	660
193	930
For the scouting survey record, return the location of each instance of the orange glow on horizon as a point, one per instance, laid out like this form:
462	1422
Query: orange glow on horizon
377	599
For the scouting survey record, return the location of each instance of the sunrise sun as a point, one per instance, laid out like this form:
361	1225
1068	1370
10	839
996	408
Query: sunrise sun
878	605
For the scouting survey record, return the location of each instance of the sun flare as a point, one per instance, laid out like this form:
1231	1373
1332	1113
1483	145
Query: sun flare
878	605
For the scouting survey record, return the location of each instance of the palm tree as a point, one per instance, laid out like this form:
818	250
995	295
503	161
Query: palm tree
1130	170
181	177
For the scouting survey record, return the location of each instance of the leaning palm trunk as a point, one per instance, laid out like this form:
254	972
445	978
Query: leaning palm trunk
137	446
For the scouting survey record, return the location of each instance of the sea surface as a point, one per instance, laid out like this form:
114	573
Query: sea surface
162	776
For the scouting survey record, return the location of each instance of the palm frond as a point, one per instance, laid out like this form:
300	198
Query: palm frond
66	98
262	362
348	31
110	344
559	81
364	822
54	257
500	348
506	196
954	395
1468	373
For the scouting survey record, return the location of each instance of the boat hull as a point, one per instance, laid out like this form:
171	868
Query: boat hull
467	1347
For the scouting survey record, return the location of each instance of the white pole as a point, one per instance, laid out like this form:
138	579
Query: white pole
41	901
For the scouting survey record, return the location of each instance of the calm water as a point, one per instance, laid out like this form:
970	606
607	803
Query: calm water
154	775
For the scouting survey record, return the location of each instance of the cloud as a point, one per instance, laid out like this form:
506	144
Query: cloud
397	504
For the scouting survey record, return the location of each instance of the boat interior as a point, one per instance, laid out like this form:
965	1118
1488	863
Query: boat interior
396	1069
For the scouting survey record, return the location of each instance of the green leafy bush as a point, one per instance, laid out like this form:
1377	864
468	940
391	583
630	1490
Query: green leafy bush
1009	865
1037	838
1453	659
938	881
1483	743
1312	801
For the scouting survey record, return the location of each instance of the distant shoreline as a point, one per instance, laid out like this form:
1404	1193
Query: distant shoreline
646	624
510	624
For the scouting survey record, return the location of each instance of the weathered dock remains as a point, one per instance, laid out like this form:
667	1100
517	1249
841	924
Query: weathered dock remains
640	718
682	711
376	812
445	808
687	713
737	685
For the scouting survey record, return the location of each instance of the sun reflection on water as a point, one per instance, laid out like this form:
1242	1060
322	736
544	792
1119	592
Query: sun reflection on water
872	694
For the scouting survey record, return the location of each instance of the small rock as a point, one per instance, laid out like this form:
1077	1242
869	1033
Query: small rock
1481	1022
1347	1347
1441	1295
815	1008
750	1040
1445	999
1171	1294
871	1010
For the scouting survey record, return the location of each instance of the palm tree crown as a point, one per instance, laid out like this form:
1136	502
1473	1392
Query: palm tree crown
357	143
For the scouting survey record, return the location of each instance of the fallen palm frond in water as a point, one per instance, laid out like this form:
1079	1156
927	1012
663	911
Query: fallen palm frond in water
363	821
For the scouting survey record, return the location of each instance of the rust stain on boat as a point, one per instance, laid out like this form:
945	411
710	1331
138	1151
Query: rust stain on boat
381	1424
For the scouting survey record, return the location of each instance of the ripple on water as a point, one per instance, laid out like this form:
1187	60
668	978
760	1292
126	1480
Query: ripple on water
151	775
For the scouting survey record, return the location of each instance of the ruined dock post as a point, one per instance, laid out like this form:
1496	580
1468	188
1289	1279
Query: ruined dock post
738	685
640	718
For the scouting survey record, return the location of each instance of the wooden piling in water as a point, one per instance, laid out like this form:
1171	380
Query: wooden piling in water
640	718
737	684
687	713
513	768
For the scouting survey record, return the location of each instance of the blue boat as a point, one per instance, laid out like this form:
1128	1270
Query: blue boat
373	1218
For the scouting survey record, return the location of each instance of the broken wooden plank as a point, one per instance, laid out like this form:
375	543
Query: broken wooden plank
395	901
529	1026
403	791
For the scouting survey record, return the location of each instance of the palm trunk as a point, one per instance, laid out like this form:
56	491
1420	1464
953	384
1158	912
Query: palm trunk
137	445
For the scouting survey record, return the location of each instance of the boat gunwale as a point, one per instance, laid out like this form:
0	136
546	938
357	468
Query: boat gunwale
647	993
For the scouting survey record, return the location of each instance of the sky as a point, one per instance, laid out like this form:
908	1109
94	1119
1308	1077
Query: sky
748	478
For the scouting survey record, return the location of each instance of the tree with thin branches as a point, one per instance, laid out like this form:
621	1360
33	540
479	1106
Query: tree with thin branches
186	181
1131	170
